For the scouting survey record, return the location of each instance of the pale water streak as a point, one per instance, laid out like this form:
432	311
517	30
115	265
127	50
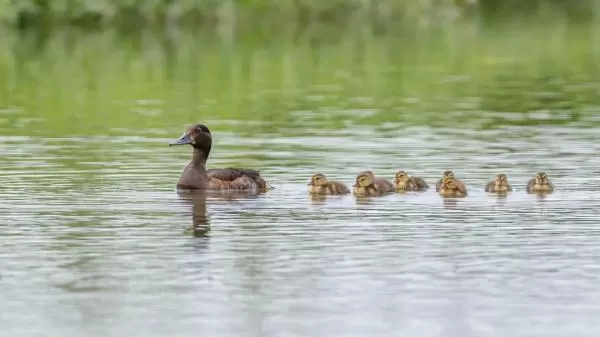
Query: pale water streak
95	241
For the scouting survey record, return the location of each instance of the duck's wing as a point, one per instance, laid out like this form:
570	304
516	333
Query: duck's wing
489	187
337	187
530	184
384	185
419	183
236	179
461	187
438	185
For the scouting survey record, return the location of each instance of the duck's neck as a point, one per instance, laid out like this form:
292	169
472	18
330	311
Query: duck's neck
198	161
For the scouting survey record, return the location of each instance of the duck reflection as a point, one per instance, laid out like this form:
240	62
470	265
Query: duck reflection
450	203
199	199
200	220
501	198
317	199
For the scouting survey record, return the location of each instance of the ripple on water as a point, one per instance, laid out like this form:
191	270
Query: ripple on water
95	238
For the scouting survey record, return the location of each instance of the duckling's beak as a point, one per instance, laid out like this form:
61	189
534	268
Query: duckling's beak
183	140
311	183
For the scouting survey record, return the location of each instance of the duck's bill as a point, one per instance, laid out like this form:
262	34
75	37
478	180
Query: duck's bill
183	140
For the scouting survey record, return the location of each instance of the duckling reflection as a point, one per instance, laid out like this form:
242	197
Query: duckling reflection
367	185
317	199
450	203
540	184
403	182
499	185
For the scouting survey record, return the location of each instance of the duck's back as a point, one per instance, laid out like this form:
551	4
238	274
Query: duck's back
336	187
236	179
417	183
384	185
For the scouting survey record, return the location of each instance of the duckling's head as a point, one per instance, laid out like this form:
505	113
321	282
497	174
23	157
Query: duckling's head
370	173
542	179
401	176
448	174
318	180
197	135
364	179
449	183
501	180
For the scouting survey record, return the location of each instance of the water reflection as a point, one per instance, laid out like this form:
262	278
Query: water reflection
200	220
317	199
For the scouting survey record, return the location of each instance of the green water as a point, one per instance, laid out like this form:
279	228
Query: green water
96	242
90	83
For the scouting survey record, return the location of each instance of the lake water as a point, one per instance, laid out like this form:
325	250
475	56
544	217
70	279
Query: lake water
95	241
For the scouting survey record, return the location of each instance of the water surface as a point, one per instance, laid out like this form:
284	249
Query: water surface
96	242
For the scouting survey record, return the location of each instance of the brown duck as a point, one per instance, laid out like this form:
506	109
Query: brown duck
403	182
195	176
367	185
451	187
540	184
499	185
320	185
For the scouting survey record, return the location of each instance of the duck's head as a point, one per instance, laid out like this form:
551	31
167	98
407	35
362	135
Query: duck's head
198	136
401	176
501	180
447	174
364	179
449	183
318	179
541	179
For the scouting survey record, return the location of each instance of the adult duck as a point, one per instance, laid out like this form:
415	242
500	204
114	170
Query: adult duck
195	176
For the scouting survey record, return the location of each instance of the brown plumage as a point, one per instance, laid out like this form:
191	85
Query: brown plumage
447	174
403	182
540	184
320	185
498	185
195	176
452	188
367	185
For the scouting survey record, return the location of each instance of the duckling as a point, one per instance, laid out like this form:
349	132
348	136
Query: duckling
446	174
320	185
540	184
383	183
451	187
403	182
195	176
498	185
367	185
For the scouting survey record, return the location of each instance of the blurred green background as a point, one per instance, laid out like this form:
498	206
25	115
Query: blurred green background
85	67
